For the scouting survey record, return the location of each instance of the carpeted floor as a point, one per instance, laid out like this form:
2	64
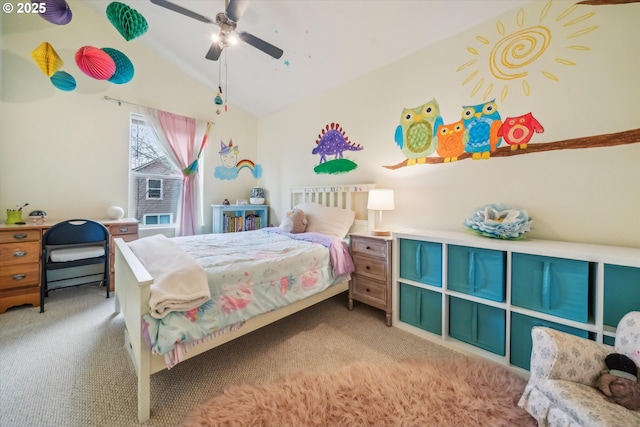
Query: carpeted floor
68	366
445	393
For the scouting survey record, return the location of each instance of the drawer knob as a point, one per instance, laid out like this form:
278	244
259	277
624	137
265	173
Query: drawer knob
367	267
19	276
368	290
19	254
368	247
19	236
124	229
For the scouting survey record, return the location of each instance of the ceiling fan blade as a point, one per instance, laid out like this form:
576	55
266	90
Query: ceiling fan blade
214	51
235	9
181	10
260	44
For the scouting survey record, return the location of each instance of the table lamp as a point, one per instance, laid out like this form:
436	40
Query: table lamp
380	200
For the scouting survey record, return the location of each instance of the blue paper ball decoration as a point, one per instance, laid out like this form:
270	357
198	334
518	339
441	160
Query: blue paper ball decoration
63	81
124	67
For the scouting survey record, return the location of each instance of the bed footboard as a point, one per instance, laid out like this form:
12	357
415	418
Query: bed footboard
132	299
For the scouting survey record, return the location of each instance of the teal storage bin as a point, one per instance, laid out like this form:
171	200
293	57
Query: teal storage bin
521	343
621	292
475	271
609	340
556	286
477	324
421	261
421	308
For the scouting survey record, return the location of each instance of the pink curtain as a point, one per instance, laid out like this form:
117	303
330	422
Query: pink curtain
180	133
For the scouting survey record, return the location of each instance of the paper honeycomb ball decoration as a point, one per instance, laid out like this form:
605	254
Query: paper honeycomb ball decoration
63	81
47	58
55	11
124	67
129	22
95	63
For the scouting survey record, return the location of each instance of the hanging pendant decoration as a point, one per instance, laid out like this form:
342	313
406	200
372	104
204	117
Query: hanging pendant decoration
129	22
63	81
47	58
95	63
124	67
55	11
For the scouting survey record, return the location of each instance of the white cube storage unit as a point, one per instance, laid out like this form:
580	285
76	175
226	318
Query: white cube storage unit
484	295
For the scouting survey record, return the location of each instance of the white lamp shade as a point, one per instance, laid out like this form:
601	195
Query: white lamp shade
381	200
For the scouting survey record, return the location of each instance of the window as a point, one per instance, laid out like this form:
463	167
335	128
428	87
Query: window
158	219
154	189
155	183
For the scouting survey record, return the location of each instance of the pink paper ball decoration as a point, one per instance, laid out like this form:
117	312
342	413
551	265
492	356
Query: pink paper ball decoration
95	63
55	11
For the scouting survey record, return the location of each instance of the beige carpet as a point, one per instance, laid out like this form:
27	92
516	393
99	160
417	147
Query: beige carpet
448	393
68	366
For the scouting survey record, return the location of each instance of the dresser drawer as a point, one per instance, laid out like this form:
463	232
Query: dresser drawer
19	276
14	236
371	247
19	253
370	267
369	289
122	230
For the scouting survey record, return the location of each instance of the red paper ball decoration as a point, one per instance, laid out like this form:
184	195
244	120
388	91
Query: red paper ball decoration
95	63
124	67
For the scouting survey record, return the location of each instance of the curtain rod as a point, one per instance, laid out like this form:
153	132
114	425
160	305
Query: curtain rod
120	102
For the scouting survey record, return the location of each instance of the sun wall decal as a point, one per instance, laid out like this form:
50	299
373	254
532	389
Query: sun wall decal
513	54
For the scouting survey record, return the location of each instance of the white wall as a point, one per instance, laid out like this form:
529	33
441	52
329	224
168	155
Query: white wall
67	152
586	195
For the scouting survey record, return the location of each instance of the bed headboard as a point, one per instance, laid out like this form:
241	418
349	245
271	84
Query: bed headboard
348	196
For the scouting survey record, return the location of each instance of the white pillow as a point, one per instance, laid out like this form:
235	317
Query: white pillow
294	221
326	220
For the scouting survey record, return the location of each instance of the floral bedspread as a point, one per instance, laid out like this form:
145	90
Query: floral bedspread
249	273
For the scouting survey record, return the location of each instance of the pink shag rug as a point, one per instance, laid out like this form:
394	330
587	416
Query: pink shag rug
455	392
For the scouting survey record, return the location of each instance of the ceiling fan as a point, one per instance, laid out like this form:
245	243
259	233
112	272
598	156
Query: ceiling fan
227	21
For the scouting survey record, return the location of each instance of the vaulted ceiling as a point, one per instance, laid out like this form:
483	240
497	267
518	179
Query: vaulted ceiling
326	43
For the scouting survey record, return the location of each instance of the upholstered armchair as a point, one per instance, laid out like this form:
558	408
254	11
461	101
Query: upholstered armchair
561	390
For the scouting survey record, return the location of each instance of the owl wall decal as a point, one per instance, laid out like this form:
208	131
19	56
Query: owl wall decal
415	135
517	131
481	124
450	141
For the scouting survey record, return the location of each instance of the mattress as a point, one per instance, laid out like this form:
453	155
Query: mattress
249	273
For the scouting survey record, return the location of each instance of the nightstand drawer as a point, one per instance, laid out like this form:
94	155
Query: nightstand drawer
371	247
369	289
19	253
370	267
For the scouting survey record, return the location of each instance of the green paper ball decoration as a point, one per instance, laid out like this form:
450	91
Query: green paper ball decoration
63	81
129	22
124	67
95	63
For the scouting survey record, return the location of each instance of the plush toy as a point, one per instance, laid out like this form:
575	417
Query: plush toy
620	382
294	221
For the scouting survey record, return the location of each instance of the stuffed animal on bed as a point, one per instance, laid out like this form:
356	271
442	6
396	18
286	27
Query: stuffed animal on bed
295	221
620	381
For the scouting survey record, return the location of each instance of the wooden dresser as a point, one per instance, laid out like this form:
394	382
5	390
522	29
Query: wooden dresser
20	266
371	281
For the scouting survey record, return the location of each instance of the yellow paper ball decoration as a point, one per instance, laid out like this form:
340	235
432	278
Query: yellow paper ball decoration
47	59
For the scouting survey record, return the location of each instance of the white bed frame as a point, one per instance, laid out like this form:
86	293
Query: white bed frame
133	292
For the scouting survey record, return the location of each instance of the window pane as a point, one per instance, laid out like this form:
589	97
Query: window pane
156	184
